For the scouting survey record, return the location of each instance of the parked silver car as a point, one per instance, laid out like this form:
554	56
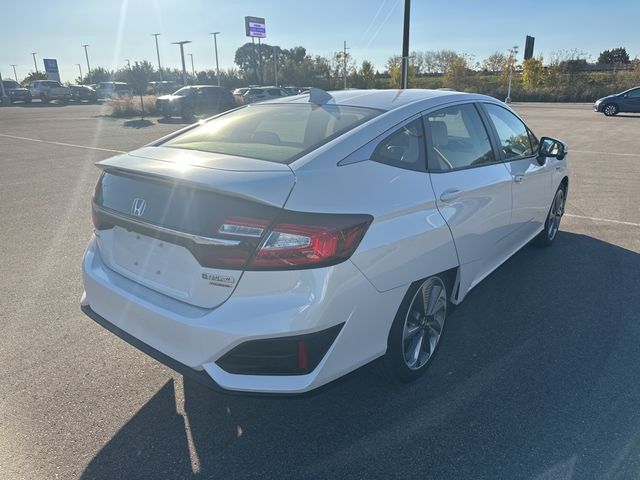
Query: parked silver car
48	90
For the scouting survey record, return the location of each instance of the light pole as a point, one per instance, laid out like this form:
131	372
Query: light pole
86	54
158	54
14	71
80	70
35	64
193	70
215	46
513	52
405	45
184	68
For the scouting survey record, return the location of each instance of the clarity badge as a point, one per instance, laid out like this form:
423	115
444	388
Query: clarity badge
219	280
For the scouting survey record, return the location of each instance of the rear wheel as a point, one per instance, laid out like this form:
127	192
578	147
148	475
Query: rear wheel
417	329
610	109
552	224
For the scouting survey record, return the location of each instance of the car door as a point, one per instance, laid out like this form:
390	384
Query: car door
632	101
531	185
472	189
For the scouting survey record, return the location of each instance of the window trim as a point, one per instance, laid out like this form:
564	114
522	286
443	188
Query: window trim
431	162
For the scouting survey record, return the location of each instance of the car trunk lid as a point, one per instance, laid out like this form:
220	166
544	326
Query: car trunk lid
165	219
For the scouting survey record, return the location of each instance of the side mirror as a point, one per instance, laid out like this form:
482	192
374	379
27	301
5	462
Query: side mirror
550	147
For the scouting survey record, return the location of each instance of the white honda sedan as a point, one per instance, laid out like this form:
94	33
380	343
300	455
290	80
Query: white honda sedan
281	245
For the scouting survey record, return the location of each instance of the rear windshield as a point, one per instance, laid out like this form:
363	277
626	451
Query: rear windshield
274	132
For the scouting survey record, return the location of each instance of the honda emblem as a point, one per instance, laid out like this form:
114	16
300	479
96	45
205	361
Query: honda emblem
138	206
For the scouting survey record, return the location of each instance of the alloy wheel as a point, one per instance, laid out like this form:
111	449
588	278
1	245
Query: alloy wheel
424	323
555	214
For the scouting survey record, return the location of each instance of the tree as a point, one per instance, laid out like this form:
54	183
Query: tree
495	62
533	73
34	76
457	73
364	77
615	56
139	75
98	74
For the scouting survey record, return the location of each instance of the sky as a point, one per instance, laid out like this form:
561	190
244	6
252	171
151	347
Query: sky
116	30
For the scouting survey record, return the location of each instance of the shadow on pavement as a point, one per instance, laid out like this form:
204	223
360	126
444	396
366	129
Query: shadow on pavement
536	378
174	121
138	123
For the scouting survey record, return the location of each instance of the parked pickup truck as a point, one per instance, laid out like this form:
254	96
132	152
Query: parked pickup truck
47	90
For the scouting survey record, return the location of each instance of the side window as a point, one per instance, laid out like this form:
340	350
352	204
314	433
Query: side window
458	138
634	93
404	148
513	135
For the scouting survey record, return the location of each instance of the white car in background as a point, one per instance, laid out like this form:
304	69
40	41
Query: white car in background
48	90
281	245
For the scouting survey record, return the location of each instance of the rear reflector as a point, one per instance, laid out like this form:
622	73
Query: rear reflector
297	355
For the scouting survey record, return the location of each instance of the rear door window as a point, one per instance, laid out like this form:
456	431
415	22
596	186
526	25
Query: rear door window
457	138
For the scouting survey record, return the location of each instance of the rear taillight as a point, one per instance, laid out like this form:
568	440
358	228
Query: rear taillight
300	240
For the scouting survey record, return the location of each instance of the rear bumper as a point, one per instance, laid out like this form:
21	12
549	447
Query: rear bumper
265	305
199	376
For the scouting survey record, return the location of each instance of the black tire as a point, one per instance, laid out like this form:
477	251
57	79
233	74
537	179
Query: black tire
552	224
411	328
610	109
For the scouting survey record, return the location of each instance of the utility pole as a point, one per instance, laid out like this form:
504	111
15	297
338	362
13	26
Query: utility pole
184	68
215	46
35	64
158	54
344	64
513	53
86	54
80	69
14	71
405	45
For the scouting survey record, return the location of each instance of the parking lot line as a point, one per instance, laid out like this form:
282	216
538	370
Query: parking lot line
607	220
606	153
61	144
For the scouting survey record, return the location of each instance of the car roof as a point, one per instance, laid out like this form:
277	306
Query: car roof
382	99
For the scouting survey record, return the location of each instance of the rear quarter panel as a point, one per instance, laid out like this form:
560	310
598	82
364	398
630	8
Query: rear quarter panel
408	239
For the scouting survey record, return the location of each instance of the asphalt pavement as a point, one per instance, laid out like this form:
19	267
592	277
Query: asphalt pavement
536	377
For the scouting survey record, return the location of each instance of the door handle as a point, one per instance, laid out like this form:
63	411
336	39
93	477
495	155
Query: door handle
450	195
518	178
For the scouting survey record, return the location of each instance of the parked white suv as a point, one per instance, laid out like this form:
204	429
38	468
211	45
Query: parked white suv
47	90
278	246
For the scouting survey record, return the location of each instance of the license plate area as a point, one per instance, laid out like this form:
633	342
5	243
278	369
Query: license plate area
152	262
